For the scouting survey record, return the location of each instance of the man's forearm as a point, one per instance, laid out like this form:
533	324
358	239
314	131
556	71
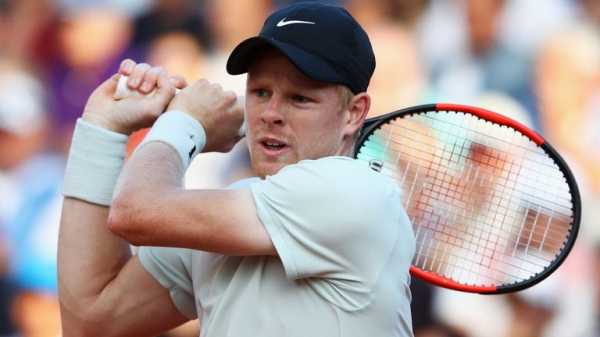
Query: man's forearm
89	255
154	172
154	167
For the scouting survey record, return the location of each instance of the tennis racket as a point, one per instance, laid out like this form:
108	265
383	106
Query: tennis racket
494	207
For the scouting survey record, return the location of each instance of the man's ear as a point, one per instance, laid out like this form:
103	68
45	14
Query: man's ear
357	111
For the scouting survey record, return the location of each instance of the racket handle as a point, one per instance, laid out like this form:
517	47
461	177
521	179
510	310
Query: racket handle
123	91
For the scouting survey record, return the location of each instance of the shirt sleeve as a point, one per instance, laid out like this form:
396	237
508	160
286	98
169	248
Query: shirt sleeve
330	220
171	267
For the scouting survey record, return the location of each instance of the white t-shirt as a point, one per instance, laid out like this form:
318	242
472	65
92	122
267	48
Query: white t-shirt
345	245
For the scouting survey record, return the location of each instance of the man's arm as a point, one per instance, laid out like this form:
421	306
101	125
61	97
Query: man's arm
103	290
152	208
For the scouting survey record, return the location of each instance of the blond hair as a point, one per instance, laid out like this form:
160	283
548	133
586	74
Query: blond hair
346	95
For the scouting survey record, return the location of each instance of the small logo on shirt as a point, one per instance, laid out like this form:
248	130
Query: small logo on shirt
291	22
376	165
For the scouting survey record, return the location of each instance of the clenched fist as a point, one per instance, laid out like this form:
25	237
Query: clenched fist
220	112
134	112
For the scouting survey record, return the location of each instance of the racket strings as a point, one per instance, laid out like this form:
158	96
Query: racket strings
461	267
487	204
458	241
482	256
476	127
560	200
500	208
434	192
434	187
534	158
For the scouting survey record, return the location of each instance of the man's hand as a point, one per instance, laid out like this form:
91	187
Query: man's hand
136	111
220	112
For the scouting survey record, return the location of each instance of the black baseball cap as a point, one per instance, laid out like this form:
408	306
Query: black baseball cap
324	42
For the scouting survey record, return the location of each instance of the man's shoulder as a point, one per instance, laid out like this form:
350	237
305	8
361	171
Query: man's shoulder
334	178
341	173
334	167
313	184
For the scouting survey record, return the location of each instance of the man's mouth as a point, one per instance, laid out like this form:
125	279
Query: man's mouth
273	147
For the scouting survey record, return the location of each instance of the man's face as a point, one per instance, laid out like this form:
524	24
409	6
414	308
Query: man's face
290	117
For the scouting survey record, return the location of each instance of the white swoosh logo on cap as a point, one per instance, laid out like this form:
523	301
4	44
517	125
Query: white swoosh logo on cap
291	22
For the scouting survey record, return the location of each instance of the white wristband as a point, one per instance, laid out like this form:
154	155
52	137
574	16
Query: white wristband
179	130
95	162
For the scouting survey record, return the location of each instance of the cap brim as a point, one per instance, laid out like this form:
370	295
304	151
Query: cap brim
243	55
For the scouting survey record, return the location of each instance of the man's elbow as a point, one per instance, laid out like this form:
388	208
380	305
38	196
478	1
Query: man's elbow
126	218
83	320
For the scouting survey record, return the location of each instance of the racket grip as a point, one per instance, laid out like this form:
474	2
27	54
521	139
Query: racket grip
122	91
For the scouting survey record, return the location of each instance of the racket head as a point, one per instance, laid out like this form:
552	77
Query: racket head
494	207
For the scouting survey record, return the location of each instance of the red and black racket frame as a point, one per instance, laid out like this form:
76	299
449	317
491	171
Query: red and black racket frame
372	124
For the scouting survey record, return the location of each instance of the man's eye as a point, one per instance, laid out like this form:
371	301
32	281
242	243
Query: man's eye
301	99
261	93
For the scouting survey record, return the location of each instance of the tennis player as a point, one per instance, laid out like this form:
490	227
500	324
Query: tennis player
316	245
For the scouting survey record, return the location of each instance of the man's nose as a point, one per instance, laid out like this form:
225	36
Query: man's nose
272	114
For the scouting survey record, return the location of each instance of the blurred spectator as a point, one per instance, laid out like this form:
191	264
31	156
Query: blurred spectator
24	25
524	24
532	309
472	46
127	7
375	12
475	60
568	91
230	23
31	201
530	318
233	21
92	42
560	305
591	10
399	79
477	315
179	53
169	16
